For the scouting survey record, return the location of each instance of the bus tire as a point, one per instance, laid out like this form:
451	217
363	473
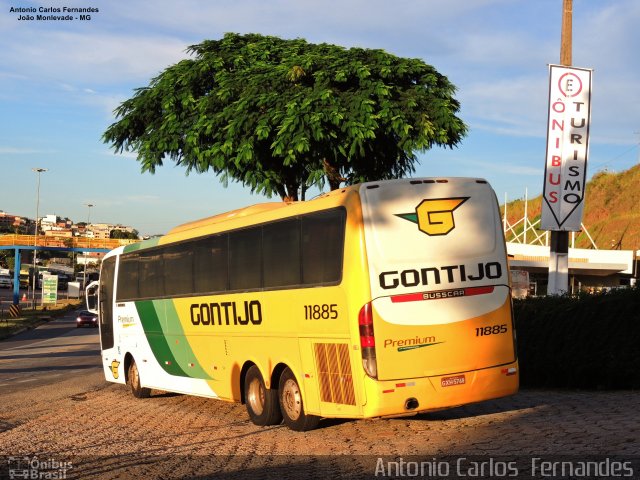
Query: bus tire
261	402
291	404
137	389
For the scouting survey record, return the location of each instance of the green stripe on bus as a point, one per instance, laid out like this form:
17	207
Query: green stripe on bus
156	337
173	327
152	242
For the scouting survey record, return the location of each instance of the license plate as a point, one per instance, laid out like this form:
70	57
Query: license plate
451	381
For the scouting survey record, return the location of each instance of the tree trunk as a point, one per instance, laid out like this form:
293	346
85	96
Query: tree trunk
291	193
333	175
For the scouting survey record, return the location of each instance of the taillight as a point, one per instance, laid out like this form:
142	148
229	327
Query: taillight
365	320
368	341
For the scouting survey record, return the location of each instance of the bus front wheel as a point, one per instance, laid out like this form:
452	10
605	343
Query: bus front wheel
291	404
262	402
137	389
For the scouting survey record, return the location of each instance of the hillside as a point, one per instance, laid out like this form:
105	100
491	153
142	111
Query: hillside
611	215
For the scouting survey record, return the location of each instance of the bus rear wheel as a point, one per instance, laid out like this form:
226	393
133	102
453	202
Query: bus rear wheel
137	389
261	402
291	404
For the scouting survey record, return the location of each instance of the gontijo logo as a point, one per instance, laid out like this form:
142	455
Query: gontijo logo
114	369
435	216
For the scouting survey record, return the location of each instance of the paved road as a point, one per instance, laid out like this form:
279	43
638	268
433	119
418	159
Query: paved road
46	354
58	408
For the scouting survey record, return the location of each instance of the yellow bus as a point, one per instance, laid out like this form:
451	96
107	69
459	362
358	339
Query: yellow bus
380	299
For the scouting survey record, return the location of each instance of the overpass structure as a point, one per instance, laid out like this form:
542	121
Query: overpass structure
19	243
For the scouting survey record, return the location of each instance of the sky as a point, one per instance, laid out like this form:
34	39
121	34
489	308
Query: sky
60	82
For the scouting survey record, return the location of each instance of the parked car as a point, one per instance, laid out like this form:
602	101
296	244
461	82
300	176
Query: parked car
63	282
86	318
6	281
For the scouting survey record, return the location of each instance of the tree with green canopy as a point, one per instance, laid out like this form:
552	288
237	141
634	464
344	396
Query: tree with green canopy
281	116
123	234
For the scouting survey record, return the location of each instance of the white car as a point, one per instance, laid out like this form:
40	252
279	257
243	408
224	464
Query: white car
6	281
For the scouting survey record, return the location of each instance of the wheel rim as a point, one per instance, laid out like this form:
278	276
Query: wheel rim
256	396
134	377
291	399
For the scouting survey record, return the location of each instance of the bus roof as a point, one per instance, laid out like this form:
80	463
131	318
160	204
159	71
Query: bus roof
253	210
199	227
223	217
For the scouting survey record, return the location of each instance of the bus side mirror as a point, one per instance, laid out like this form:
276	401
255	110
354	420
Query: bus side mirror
91	297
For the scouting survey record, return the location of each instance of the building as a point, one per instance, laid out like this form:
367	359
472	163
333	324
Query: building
89	258
103	230
99	230
6	220
53	223
589	269
14	222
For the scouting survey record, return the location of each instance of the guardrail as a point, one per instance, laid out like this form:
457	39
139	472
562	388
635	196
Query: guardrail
63	242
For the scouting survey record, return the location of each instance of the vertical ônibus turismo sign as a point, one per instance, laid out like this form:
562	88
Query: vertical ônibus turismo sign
565	171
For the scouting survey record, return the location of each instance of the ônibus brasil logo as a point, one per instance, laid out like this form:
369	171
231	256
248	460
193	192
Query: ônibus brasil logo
435	217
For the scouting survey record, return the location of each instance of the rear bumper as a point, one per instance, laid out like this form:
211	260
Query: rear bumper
410	396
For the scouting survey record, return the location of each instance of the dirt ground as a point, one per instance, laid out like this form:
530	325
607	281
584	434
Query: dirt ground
93	429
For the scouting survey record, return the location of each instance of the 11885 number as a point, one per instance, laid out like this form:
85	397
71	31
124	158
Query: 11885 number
321	312
491	330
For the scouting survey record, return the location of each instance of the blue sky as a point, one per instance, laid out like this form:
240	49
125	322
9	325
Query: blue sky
60	81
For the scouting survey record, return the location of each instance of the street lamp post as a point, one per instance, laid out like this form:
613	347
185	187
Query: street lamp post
84	276
35	240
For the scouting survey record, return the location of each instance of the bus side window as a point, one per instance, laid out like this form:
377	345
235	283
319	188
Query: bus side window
210	264
151	277
322	247
178	270
281	254
128	278
245	259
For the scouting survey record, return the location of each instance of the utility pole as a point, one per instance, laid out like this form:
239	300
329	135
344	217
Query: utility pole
35	240
84	276
566	35
559	244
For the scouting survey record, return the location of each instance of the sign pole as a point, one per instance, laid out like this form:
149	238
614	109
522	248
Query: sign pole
559	243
